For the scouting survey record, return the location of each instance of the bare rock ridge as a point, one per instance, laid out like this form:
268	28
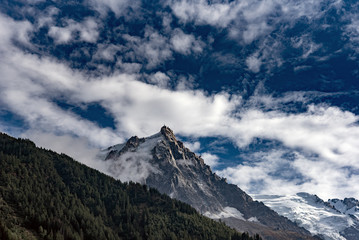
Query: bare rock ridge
163	162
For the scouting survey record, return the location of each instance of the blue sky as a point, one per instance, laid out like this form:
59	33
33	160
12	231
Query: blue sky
266	91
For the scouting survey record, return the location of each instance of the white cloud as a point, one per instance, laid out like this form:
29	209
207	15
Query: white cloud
210	159
182	42
217	14
255	30
141	107
132	166
128	67
185	82
193	146
152	50
46	17
324	141
318	130
41	113
88	31
29	90
75	147
185	43
60	35
273	173
106	52
11	30
160	79
254	63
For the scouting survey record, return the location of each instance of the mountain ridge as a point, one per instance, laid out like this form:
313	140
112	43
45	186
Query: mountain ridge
180	173
334	219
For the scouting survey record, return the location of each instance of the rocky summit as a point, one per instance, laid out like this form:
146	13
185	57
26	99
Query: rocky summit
163	162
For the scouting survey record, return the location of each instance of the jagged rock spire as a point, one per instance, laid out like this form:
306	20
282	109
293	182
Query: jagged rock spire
166	130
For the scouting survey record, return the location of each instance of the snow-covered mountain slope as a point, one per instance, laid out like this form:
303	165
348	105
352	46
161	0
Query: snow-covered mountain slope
332	220
164	163
348	206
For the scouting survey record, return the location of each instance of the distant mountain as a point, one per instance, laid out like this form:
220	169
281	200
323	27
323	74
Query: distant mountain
333	220
163	162
44	195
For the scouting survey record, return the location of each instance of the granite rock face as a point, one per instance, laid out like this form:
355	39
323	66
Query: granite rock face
166	164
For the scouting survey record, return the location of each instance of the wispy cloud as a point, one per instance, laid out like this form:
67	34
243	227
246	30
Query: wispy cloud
252	18
262	25
351	29
119	7
201	12
151	50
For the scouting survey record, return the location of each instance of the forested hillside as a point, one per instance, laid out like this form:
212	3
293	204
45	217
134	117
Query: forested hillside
44	195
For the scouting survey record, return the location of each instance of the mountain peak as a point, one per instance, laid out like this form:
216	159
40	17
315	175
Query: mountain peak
163	162
166	128
346	206
168	133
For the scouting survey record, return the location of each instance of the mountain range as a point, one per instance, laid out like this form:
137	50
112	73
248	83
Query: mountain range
332	220
86	204
163	162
